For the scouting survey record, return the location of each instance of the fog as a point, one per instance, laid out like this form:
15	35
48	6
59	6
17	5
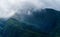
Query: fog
9	8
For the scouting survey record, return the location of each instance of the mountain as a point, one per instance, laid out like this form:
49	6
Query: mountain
15	28
35	25
40	19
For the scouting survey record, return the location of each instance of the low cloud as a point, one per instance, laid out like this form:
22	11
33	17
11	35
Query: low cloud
8	8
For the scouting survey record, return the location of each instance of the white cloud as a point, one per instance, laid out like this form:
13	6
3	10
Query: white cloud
55	4
9	7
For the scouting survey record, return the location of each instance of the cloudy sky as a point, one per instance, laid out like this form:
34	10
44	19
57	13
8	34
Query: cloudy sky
9	7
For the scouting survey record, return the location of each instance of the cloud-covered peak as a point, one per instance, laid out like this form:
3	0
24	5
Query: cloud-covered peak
9	7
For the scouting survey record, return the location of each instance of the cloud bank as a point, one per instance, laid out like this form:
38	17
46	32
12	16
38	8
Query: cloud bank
8	8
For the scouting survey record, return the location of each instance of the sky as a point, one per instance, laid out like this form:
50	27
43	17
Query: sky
8	8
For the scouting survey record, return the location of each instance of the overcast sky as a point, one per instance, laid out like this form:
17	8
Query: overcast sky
9	7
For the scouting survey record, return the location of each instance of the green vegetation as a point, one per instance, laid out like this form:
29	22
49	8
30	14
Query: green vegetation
15	28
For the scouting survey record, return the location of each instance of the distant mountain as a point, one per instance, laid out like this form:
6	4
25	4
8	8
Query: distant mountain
35	25
39	19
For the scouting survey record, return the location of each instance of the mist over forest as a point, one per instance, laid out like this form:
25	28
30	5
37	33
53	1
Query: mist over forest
29	18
